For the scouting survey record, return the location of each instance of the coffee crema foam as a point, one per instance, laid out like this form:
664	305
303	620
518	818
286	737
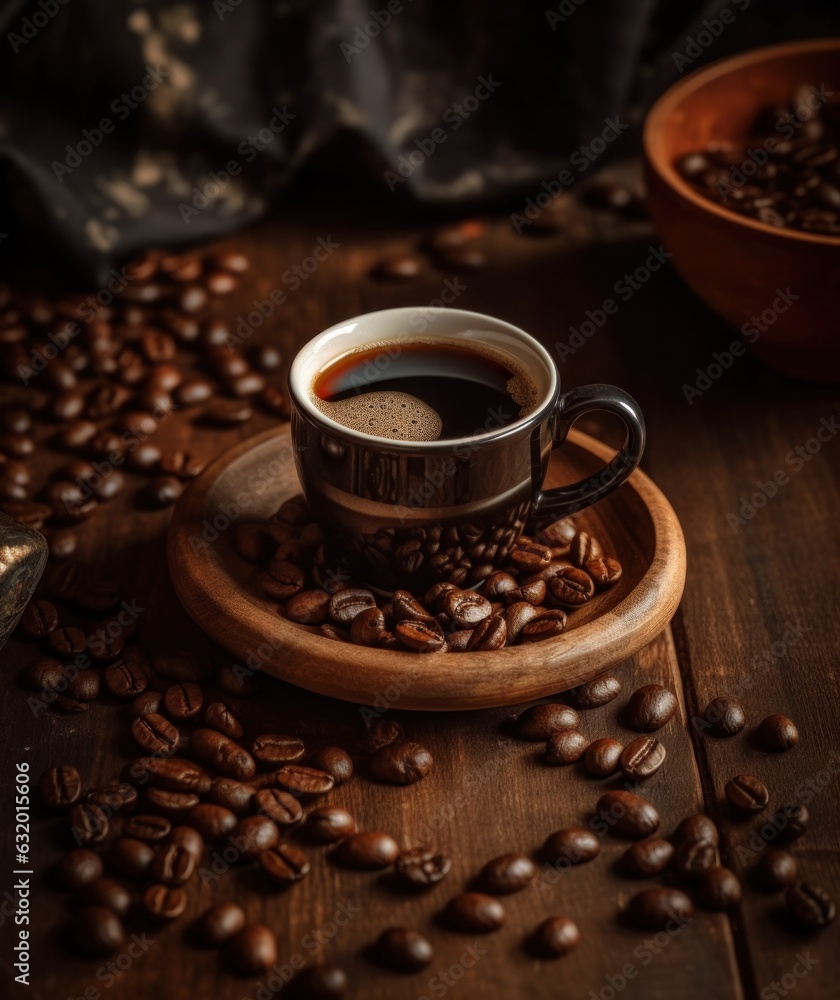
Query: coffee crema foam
396	415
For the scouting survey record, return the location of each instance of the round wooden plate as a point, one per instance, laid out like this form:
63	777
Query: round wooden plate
220	591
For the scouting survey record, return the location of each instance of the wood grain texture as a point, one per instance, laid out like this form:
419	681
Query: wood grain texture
221	592
488	793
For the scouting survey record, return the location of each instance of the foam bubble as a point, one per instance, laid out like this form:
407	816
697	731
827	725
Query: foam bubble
396	415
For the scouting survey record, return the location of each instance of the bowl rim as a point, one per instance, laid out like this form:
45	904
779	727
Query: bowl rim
667	102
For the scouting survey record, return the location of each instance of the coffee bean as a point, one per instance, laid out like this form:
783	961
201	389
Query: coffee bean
540	721
189	839
328	825
565	747
112	797
497	585
98	931
130	857
16	445
273	749
155	734
107	892
253	950
367	627
777	733
309	607
183	701
571	587
692	858
220	923
810	906
555	937
147	827
221	753
398	267
281	807
44	674
697	827
724	717
67	642
163	491
718	889
627	814
401	763
39	619
213	821
173	774
346	604
790	821
60	787
219	717
253	835
144	457
655	909
63	543
366	851
507	873
530	556
234	795
173	864
642	757
89	823
775	869
647	858
404	949
474	913
419	638
171	803
69	706
746	794
488	635
466	608
420	867
603	757
304	781
84	686
605	571
284	864
78	868
27	512
650	707
164	903
335	761
572	845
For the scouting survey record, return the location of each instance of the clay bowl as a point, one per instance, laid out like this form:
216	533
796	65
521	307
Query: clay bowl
737	265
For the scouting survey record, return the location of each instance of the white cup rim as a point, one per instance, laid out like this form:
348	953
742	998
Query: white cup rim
301	376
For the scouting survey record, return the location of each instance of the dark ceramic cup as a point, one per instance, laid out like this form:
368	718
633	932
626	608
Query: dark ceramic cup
405	514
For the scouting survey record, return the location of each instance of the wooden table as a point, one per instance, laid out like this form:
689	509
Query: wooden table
758	620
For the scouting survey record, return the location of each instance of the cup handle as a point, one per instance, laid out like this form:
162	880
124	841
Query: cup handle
565	500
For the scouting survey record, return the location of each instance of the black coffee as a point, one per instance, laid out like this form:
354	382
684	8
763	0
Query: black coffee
424	391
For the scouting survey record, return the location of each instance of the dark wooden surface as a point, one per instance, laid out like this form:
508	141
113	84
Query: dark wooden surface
758	620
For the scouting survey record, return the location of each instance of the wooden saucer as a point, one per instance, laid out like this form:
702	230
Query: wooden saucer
220	591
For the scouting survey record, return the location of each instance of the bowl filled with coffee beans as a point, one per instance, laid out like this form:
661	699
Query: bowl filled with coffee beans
743	172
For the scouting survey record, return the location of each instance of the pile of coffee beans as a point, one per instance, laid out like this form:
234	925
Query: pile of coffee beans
548	577
785	172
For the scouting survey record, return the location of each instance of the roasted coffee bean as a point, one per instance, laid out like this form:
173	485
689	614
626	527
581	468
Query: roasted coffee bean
283	580
457	642
39	619
642	757
810	906
130	857
401	763
723	717
507	873
281	807
718	889
112	797
603	757
328	825
346	604
516	617
147	827
220	923
98	931
234	795
253	835
163	491
103	647
406	608
89	823
498	584
174	774
466	608
606	572
309	607
627	815
303	781
367	627
474	913
555	937
540	721
18	421
183	464
746	794
584	548
367	851
221	753
595	693
78	868
108	892
171	803
145	456
284	864
164	903
420	867
189	839
67	642
573	845
253	950
790	821
266	357
69	706
697	827
571	587
775	869
565	747
335	761
16	445
60	787
488	635
404	949
650	707
398	267
155	734
692	858
84	686
655	909
777	733
213	822
27	512
219	717
274	749
183	701
419	638
647	858
530	556
173	864
63	543
193	391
